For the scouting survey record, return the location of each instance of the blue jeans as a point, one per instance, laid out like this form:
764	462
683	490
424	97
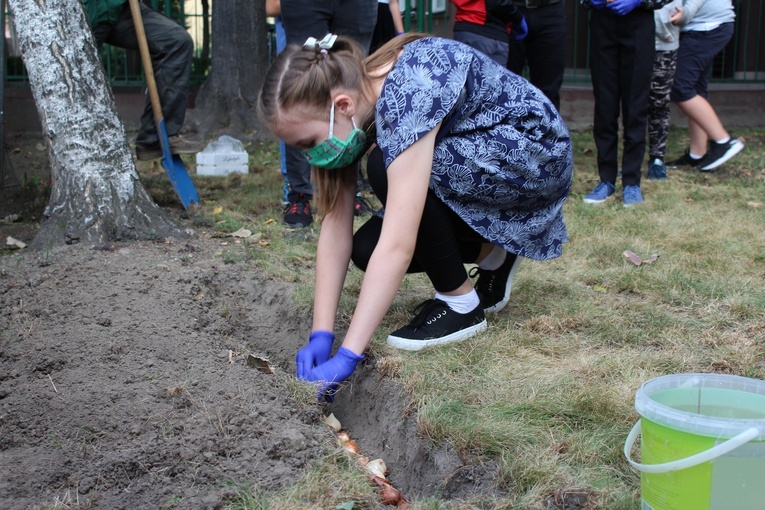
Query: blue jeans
281	43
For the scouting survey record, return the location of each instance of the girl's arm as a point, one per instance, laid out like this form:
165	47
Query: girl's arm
395	12
333	254
408	179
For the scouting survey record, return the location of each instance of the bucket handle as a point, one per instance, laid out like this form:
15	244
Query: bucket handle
694	460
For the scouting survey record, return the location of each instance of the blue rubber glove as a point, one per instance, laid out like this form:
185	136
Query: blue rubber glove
333	372
597	4
520	30
623	7
315	353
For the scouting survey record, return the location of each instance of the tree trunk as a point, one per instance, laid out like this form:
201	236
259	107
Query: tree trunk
96	196
226	101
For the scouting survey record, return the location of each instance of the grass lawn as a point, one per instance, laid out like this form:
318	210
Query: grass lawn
549	390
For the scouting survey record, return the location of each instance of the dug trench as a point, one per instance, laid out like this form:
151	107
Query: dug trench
124	384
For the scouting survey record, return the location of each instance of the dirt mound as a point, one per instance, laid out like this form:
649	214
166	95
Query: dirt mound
123	384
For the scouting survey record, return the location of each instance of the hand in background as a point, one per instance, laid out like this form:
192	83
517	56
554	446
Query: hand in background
597	4
520	30
314	353
676	17
331	373
623	7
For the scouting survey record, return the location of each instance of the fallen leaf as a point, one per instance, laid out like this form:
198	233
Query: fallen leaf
752	203
651	259
599	288
261	364
632	257
268	221
11	218
218	210
15	242
242	232
199	297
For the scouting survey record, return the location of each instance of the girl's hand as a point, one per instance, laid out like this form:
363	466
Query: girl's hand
330	374
315	353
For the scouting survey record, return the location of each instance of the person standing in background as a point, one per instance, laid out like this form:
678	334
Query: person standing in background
274	10
621	62
543	50
315	18
666	21
171	49
389	23
488	26
707	28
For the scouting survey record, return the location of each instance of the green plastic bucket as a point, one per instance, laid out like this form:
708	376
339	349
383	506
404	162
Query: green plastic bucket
702	442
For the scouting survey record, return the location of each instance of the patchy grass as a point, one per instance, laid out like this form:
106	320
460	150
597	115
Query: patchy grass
549	389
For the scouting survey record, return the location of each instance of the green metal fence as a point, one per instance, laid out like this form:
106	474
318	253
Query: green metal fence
123	67
742	61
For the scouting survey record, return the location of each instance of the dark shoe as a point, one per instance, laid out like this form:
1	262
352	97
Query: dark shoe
657	170
437	324
685	160
178	145
494	286
601	192
719	153
298	212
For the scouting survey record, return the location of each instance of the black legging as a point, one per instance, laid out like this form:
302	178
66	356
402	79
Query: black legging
444	241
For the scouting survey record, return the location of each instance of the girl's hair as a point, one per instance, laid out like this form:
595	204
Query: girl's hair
306	76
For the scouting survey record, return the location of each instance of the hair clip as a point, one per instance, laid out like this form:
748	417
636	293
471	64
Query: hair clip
325	44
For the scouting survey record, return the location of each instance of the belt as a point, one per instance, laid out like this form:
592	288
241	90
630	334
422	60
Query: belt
533	4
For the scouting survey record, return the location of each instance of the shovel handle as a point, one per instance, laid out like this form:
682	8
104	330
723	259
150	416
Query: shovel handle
148	69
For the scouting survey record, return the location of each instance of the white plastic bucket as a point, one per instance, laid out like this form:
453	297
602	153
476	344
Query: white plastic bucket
702	441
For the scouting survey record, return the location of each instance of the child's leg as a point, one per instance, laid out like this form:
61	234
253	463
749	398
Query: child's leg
444	242
658	106
635	66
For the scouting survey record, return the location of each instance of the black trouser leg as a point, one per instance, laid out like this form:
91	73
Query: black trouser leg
444	241
621	62
171	49
543	49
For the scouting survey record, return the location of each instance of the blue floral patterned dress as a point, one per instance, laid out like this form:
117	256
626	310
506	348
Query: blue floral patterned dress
503	159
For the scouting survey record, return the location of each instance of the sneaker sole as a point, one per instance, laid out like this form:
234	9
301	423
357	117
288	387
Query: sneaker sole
734	149
508	287
595	200
408	344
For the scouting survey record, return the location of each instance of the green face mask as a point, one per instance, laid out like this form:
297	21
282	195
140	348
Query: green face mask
334	153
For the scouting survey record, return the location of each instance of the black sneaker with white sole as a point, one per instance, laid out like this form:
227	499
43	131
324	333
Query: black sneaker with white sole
719	153
494	286
437	324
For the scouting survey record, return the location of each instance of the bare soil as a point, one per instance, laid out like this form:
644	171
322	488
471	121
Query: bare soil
124	382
